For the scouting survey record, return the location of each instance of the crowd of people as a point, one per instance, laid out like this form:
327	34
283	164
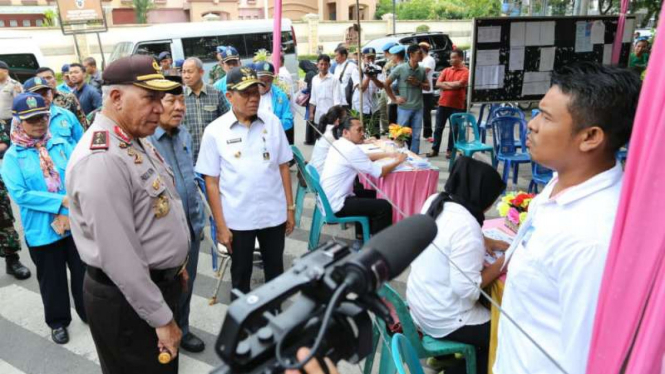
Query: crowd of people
106	170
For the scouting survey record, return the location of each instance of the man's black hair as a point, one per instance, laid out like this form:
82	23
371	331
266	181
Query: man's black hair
345	124
457	52
323	57
342	51
90	61
413	48
602	96
76	65
43	69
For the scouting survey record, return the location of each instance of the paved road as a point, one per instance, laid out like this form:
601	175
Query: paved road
26	346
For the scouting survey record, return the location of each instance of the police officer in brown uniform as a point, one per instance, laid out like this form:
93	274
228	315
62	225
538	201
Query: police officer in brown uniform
129	224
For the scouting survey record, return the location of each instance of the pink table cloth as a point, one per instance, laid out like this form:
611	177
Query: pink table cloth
407	189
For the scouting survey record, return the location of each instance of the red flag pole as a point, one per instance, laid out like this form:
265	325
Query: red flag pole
277	34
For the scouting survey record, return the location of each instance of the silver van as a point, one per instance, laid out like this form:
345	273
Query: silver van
200	39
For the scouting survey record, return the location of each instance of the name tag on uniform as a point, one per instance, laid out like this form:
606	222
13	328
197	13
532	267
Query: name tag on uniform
266	156
209	108
233	141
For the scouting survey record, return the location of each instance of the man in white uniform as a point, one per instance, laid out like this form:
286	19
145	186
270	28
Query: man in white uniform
325	94
244	158
557	260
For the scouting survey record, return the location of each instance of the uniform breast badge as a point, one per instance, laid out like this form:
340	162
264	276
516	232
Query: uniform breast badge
161	206
131	152
237	154
100	140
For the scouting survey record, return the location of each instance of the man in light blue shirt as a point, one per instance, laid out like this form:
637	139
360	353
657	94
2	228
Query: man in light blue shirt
231	59
64	86
174	143
63	123
273	98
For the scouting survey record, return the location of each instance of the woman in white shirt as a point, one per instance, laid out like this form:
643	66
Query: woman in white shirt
443	301
326	125
341	169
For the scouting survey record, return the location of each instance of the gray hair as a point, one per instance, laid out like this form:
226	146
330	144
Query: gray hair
106	91
197	62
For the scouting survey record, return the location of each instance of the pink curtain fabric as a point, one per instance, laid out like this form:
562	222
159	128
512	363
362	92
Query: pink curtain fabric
630	320
616	48
407	189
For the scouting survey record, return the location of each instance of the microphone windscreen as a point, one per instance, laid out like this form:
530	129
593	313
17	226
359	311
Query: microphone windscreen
401	243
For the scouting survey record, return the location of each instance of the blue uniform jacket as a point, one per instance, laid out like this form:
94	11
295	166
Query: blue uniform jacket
220	85
63	87
281	107
27	187
65	125
177	152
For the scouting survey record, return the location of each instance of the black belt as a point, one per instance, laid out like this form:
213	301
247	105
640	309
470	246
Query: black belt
157	275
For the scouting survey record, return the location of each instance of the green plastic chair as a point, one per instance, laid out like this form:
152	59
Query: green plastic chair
403	353
302	190
425	347
459	122
318	220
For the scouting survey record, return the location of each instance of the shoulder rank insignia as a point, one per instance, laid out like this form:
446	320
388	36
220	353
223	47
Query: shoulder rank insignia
100	140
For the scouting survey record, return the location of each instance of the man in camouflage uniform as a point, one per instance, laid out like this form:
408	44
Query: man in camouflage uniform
217	72
62	99
10	243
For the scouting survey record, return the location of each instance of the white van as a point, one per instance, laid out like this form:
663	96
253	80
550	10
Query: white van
200	39
22	55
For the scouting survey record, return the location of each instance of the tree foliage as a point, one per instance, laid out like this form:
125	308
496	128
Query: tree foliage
440	9
141	8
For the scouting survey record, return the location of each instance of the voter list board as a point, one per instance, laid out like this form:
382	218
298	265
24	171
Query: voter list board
513	57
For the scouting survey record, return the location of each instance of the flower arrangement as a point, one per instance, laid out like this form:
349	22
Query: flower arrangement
514	207
399	133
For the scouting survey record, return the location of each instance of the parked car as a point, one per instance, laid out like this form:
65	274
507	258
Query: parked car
22	56
440	42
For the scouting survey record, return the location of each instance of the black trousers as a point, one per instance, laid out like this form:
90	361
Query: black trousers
290	133
477	336
392	113
52	261
442	115
365	203
428	105
271	243
309	133
125	342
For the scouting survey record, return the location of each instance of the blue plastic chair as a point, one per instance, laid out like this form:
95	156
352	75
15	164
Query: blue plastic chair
622	154
302	190
424	347
459	123
534	112
539	175
505	146
506	111
319	219
403	353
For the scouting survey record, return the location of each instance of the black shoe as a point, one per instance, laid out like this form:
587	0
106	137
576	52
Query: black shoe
60	335
433	154
191	343
16	268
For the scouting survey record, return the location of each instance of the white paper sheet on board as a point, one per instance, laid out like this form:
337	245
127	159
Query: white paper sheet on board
517	31
516	59
547	33
487	57
598	32
536	83
532	37
583	37
547	59
489	34
629	30
607	54
489	77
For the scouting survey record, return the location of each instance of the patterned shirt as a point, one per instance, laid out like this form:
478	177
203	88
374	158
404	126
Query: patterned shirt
201	110
71	103
216	73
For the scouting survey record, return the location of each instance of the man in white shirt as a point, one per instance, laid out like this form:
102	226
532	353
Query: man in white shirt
244	158
557	260
429	65
325	94
343	72
345	160
372	82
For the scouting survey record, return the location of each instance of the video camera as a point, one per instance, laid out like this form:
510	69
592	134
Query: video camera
337	289
372	70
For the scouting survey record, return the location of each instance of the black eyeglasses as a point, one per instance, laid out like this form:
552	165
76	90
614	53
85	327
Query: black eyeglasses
35	120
